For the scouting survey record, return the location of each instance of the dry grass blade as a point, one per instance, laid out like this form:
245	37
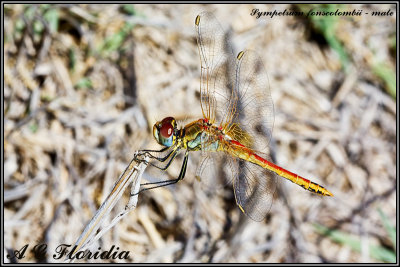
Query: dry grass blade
132	175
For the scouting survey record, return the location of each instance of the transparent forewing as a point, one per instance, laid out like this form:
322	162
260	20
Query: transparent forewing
251	115
217	68
254	188
235	95
212	171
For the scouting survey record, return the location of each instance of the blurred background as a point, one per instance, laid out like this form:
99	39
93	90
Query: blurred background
84	84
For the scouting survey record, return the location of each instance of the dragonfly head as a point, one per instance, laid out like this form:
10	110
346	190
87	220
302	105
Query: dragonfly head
164	131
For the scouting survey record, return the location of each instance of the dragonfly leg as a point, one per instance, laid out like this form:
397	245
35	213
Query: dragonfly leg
162	159
147	152
169	182
150	150
184	166
173	153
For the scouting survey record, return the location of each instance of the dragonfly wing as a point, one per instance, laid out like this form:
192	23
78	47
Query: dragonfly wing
212	171
217	68
252	116
254	188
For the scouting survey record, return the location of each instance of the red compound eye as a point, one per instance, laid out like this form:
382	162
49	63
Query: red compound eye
166	129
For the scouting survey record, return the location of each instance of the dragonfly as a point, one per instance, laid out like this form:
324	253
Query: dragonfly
237	123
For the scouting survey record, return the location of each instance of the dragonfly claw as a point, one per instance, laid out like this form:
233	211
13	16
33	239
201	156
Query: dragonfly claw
140	156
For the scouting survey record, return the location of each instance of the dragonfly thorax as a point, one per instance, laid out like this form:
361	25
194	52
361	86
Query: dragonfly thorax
202	135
